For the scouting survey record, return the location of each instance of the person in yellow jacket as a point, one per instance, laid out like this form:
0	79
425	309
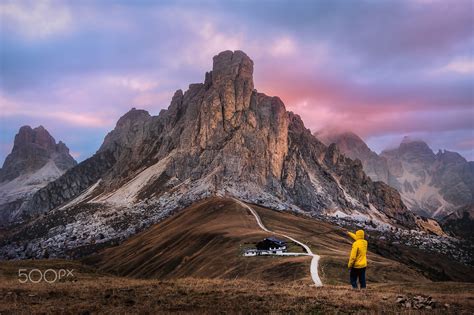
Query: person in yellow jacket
358	259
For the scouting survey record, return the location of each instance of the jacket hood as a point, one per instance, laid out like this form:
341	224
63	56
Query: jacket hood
360	234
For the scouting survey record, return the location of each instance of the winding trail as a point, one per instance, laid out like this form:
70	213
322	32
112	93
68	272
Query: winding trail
315	258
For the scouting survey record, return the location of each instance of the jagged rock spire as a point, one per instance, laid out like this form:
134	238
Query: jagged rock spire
231	66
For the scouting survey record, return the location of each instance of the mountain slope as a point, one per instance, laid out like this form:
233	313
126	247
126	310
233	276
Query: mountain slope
203	241
206	240
36	159
220	137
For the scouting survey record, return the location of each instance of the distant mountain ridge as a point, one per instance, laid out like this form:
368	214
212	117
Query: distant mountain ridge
432	185
219	138
36	159
354	147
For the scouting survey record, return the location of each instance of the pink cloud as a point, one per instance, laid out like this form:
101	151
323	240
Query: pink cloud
283	46
38	111
79	119
369	109
462	66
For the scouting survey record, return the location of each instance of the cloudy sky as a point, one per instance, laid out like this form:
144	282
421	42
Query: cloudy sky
384	69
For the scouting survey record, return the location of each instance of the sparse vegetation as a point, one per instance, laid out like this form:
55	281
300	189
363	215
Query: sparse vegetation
92	292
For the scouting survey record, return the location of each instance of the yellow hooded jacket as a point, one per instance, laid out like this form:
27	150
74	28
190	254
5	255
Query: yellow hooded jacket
358	257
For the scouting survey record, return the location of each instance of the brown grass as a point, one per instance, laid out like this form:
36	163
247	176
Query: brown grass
99	293
397	264
204	241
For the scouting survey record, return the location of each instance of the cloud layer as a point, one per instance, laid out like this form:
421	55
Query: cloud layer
381	69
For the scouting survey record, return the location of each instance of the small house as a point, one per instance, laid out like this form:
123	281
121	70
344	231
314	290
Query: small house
271	243
268	246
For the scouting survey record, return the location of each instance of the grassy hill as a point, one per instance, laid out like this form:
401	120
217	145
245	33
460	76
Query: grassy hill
206	239
203	241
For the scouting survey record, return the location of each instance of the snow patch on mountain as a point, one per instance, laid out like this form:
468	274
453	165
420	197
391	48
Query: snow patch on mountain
128	193
27	184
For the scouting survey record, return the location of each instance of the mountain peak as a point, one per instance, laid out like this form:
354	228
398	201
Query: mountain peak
32	149
38	136
230	66
352	138
408	139
132	116
354	147
345	140
414	146
124	126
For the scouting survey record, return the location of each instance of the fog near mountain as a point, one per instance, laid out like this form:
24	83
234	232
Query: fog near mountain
354	147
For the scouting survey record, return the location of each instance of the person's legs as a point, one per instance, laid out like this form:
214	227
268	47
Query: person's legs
353	278
362	278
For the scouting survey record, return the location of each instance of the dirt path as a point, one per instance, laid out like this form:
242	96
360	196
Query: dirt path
315	258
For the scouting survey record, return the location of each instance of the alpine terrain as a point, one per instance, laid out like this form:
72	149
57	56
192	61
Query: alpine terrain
220	137
439	186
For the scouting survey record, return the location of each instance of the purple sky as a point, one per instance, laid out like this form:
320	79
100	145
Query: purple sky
383	69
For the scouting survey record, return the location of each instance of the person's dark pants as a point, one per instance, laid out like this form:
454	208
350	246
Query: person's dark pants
357	273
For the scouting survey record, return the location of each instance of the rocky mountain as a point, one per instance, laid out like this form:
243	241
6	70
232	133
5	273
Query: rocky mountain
354	147
36	159
220	137
432	185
